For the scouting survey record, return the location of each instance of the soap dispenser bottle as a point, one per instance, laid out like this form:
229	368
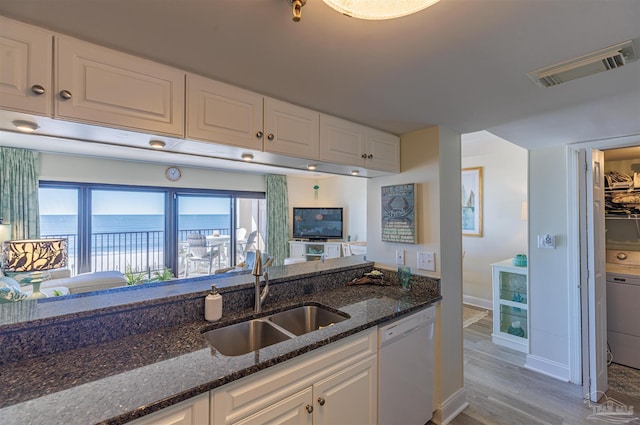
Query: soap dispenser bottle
213	305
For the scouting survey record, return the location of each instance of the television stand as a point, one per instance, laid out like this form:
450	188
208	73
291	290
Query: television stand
314	250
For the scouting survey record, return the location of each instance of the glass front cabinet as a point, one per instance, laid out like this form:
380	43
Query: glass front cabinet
510	305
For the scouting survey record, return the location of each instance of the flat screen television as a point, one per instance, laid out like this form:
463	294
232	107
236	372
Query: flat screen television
317	223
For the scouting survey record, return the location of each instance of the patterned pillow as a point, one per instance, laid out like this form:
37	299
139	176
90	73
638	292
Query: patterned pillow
10	290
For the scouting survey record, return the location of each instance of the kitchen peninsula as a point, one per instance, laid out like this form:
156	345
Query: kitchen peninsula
157	357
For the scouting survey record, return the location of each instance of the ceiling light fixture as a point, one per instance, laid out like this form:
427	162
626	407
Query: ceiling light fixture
378	9
157	144
311	167
247	157
26	126
296	9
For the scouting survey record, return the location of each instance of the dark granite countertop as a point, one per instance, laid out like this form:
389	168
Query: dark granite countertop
117	381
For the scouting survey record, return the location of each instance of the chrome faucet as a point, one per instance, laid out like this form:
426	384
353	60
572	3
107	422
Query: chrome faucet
257	272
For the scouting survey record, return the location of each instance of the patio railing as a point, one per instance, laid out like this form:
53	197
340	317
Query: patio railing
142	251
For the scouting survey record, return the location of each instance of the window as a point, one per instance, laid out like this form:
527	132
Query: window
204	230
127	230
59	217
146	229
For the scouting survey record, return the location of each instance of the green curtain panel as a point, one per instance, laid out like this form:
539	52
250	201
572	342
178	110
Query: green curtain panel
19	179
277	217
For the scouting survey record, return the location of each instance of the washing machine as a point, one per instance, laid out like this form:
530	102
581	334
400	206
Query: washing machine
623	306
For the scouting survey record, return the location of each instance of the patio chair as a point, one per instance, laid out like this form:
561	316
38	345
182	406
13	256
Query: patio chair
246	246
199	253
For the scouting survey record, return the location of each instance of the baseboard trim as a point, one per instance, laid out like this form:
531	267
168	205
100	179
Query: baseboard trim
548	367
451	407
477	302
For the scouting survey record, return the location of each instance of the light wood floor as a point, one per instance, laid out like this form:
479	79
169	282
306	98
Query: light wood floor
501	391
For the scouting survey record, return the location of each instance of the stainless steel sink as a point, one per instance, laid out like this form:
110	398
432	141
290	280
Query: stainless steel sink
244	337
251	335
306	318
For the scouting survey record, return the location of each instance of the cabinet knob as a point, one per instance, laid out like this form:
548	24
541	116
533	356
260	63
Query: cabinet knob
259	134
309	408
37	89
321	401
271	136
370	156
65	94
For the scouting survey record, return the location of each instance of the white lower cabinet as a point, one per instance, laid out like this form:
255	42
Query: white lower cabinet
349	396
336	384
194	411
314	250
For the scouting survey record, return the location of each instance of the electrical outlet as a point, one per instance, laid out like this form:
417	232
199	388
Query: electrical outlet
427	261
400	257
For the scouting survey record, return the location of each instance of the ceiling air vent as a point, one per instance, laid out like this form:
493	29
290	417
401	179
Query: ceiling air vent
603	60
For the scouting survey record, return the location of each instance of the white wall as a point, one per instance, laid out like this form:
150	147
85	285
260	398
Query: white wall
431	158
335	191
98	170
548	268
504	173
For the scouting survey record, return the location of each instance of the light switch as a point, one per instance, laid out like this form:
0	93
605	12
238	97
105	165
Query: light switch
427	261
400	257
546	241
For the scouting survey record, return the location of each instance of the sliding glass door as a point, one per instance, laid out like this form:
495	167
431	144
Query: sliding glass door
127	230
144	230
204	233
59	219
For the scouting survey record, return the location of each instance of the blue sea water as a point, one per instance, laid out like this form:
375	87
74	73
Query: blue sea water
67	224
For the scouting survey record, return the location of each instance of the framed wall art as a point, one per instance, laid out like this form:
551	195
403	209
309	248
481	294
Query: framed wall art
398	213
472	201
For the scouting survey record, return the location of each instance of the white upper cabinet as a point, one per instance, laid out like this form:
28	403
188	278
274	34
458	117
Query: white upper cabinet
25	68
221	113
291	130
383	150
102	86
341	141
345	142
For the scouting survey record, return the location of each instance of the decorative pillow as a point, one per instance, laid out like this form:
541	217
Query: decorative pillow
10	290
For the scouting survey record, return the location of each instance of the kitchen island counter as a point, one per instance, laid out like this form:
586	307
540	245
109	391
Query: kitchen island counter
116	381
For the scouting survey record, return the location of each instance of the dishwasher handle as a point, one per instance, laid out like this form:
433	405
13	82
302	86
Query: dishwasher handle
406	326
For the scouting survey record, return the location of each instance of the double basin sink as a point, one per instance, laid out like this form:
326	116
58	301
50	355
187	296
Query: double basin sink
250	335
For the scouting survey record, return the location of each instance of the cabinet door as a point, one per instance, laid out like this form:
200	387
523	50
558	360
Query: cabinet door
26	54
194	411
331	250
221	113
117	90
296	249
294	410
341	141
383	151
348	397
291	130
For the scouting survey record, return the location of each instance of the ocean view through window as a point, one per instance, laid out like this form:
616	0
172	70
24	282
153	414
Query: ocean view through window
144	229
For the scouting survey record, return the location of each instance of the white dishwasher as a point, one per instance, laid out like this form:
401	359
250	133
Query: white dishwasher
405	369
